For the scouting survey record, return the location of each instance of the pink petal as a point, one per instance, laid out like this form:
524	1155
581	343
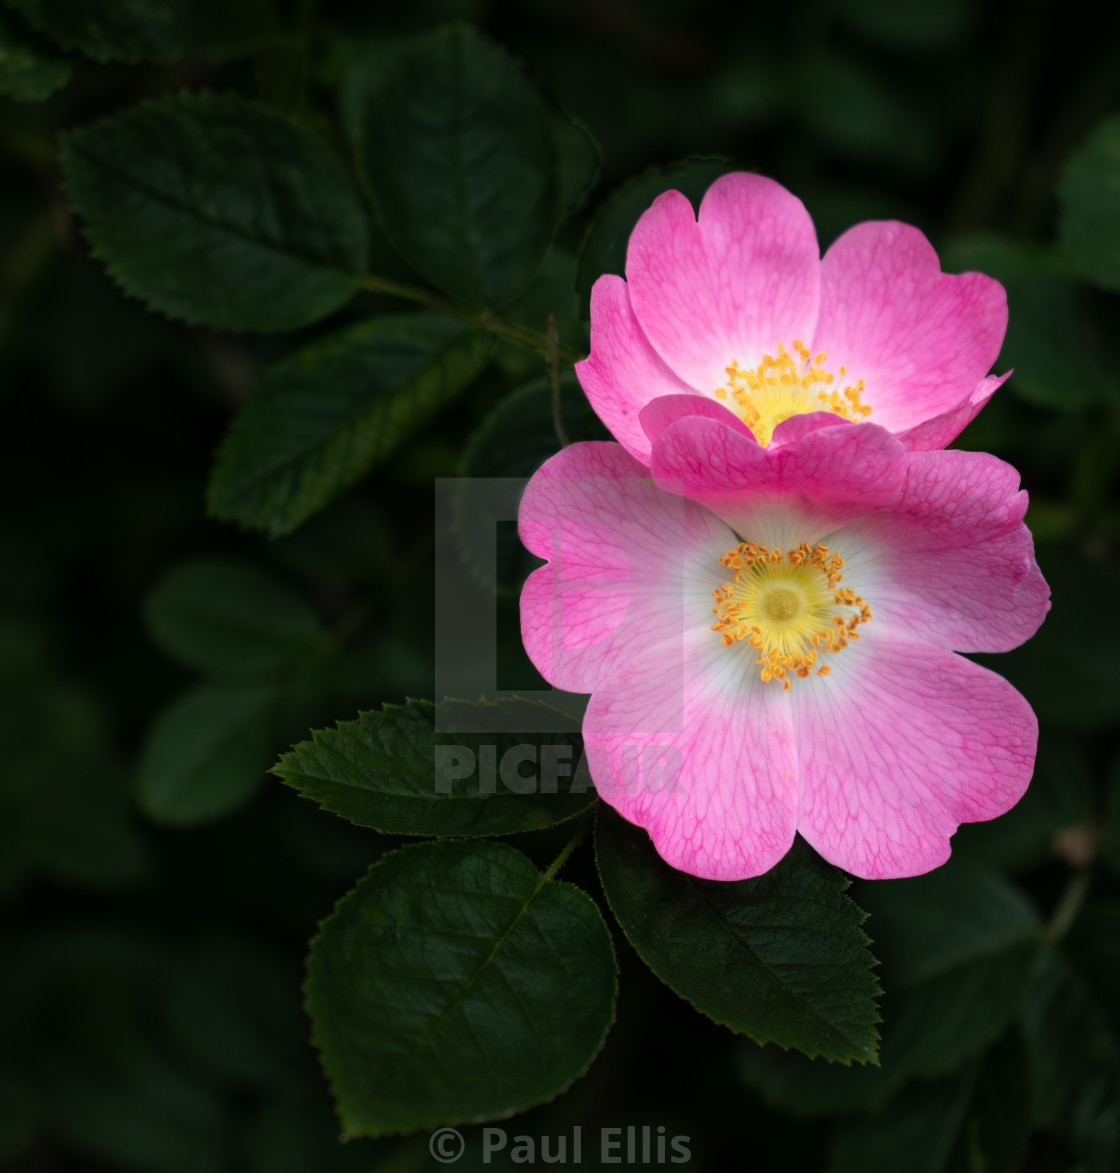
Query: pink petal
942	430
922	340
658	414
903	744
623	372
682	741
824	478
629	566
951	561
731	286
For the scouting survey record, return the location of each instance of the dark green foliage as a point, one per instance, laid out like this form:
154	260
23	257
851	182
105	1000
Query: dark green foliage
216	211
456	983
459	157
30	71
1089	229
322	419
146	30
206	754
452	769
781	958
271	270
231	619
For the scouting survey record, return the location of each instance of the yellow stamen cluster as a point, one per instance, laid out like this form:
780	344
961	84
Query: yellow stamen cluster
787	606
784	386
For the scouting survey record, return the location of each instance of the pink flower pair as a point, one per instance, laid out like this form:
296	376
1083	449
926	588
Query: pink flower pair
763	585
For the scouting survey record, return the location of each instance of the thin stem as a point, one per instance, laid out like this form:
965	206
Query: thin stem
552	360
1069	906
480	321
569	847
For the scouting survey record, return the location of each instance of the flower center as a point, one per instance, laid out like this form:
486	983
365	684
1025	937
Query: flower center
789	607
780	387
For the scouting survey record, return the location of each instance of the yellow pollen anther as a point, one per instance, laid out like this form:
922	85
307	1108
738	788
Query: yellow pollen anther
788	606
788	385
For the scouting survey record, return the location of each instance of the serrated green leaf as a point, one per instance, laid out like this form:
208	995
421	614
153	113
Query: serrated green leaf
29	71
957	948
218	212
979	1120
604	246
320	420
494	771
1054	343
455	983
231	619
205	755
781	958
1089	224
145	30
458	155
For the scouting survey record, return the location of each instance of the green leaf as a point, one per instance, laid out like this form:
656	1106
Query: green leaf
1074	1064
65	806
29	70
205	755
917	26
458	154
231	619
1054	343
979	1120
320	420
1089	224
604	247
455	983
957	948
580	160
145	30
217	211
781	958
500	767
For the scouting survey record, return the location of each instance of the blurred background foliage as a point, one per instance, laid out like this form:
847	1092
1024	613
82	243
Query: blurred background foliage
159	888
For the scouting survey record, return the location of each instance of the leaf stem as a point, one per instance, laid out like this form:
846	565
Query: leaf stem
482	320
1069	906
568	848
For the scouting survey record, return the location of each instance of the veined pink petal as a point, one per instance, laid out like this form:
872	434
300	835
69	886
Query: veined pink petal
729	286
908	742
826	477
921	339
688	742
623	372
943	429
629	566
658	414
951	561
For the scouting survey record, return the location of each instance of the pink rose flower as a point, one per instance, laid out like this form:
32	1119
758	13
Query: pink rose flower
738	311
768	637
